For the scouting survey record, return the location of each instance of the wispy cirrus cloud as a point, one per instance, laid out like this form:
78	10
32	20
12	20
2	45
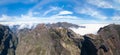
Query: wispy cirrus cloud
65	12
91	12
112	4
5	18
30	18
81	11
40	4
116	18
24	19
51	9
101	3
57	11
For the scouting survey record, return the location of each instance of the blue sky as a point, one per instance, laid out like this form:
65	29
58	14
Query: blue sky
73	11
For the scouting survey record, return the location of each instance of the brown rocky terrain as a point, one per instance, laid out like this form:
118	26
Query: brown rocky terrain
45	41
59	40
8	41
110	36
106	42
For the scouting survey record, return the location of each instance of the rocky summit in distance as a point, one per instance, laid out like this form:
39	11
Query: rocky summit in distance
62	24
58	39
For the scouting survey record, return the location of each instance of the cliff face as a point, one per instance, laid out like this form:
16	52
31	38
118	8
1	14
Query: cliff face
106	42
47	41
110	36
8	41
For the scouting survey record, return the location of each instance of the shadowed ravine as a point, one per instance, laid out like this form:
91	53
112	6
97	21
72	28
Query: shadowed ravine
88	48
8	41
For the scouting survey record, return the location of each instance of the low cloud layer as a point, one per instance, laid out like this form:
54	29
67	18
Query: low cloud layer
89	28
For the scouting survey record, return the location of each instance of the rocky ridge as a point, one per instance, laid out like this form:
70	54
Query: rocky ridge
57	39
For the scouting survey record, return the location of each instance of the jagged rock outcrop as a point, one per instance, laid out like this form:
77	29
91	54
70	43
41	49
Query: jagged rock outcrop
106	42
47	41
110	37
8	41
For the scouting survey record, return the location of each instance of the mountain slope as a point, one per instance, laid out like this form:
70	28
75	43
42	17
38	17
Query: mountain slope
58	39
110	36
47	41
106	42
8	41
62	24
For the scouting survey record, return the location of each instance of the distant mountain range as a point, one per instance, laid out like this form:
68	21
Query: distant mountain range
16	27
58	39
30	26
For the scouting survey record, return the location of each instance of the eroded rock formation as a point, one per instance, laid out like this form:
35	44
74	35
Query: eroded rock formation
8	41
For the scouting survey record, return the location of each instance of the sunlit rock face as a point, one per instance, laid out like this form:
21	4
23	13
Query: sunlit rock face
63	41
47	41
8	41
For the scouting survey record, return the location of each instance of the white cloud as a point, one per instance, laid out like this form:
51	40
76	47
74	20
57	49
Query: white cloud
50	10
30	18
113	4
116	18
64	17
92	12
40	4
65	12
100	3
89	28
4	17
